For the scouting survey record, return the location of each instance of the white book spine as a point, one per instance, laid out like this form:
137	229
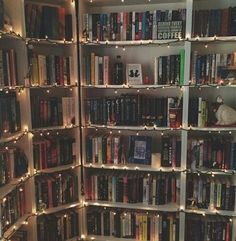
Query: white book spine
154	25
133	25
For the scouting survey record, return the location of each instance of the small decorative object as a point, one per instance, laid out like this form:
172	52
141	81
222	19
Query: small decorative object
7	23
134	74
224	114
227	74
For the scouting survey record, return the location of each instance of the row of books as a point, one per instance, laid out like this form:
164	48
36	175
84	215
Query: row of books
210	193
213	68
97	70
53	152
134	225
52	111
214	22
56	189
169	70
58	226
19	235
10	118
117	149
50	21
122	26
134	110
110	149
50	70
8	68
170	151
199	114
12	207
153	189
212	153
13	164
208	228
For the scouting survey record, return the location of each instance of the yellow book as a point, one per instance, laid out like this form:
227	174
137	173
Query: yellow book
170	221
144	228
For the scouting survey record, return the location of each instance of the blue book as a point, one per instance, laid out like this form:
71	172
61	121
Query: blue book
140	150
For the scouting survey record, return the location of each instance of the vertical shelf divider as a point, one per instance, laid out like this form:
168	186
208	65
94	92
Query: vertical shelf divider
184	136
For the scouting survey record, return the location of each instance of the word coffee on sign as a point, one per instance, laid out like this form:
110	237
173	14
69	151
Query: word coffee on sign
169	30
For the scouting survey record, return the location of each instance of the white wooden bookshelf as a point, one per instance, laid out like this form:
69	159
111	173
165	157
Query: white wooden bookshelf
21	43
143	52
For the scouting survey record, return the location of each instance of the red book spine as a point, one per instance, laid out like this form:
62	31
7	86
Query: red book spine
225	22
61	14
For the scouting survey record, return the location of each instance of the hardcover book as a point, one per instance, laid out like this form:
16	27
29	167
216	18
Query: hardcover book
140	150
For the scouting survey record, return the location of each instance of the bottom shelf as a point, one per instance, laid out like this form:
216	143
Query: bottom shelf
16	226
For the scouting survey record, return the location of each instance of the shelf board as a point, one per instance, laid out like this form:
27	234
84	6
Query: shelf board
11	88
125	87
10	35
106	238
139	206
61	208
101	3
132	128
212	86
133	167
211	171
33	87
135	42
38	41
211	212
53	128
57	169
213	39
14	227
12	137
4	190
213	129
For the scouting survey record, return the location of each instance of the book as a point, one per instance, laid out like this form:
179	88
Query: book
65	225
153	189
56	189
133	225
209	194
1	14
10	119
14	207
37	25
146	25
140	150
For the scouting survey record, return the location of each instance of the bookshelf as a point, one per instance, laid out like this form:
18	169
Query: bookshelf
200	176
160	115
39	75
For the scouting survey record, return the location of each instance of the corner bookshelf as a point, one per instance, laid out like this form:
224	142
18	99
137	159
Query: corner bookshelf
101	37
42	37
